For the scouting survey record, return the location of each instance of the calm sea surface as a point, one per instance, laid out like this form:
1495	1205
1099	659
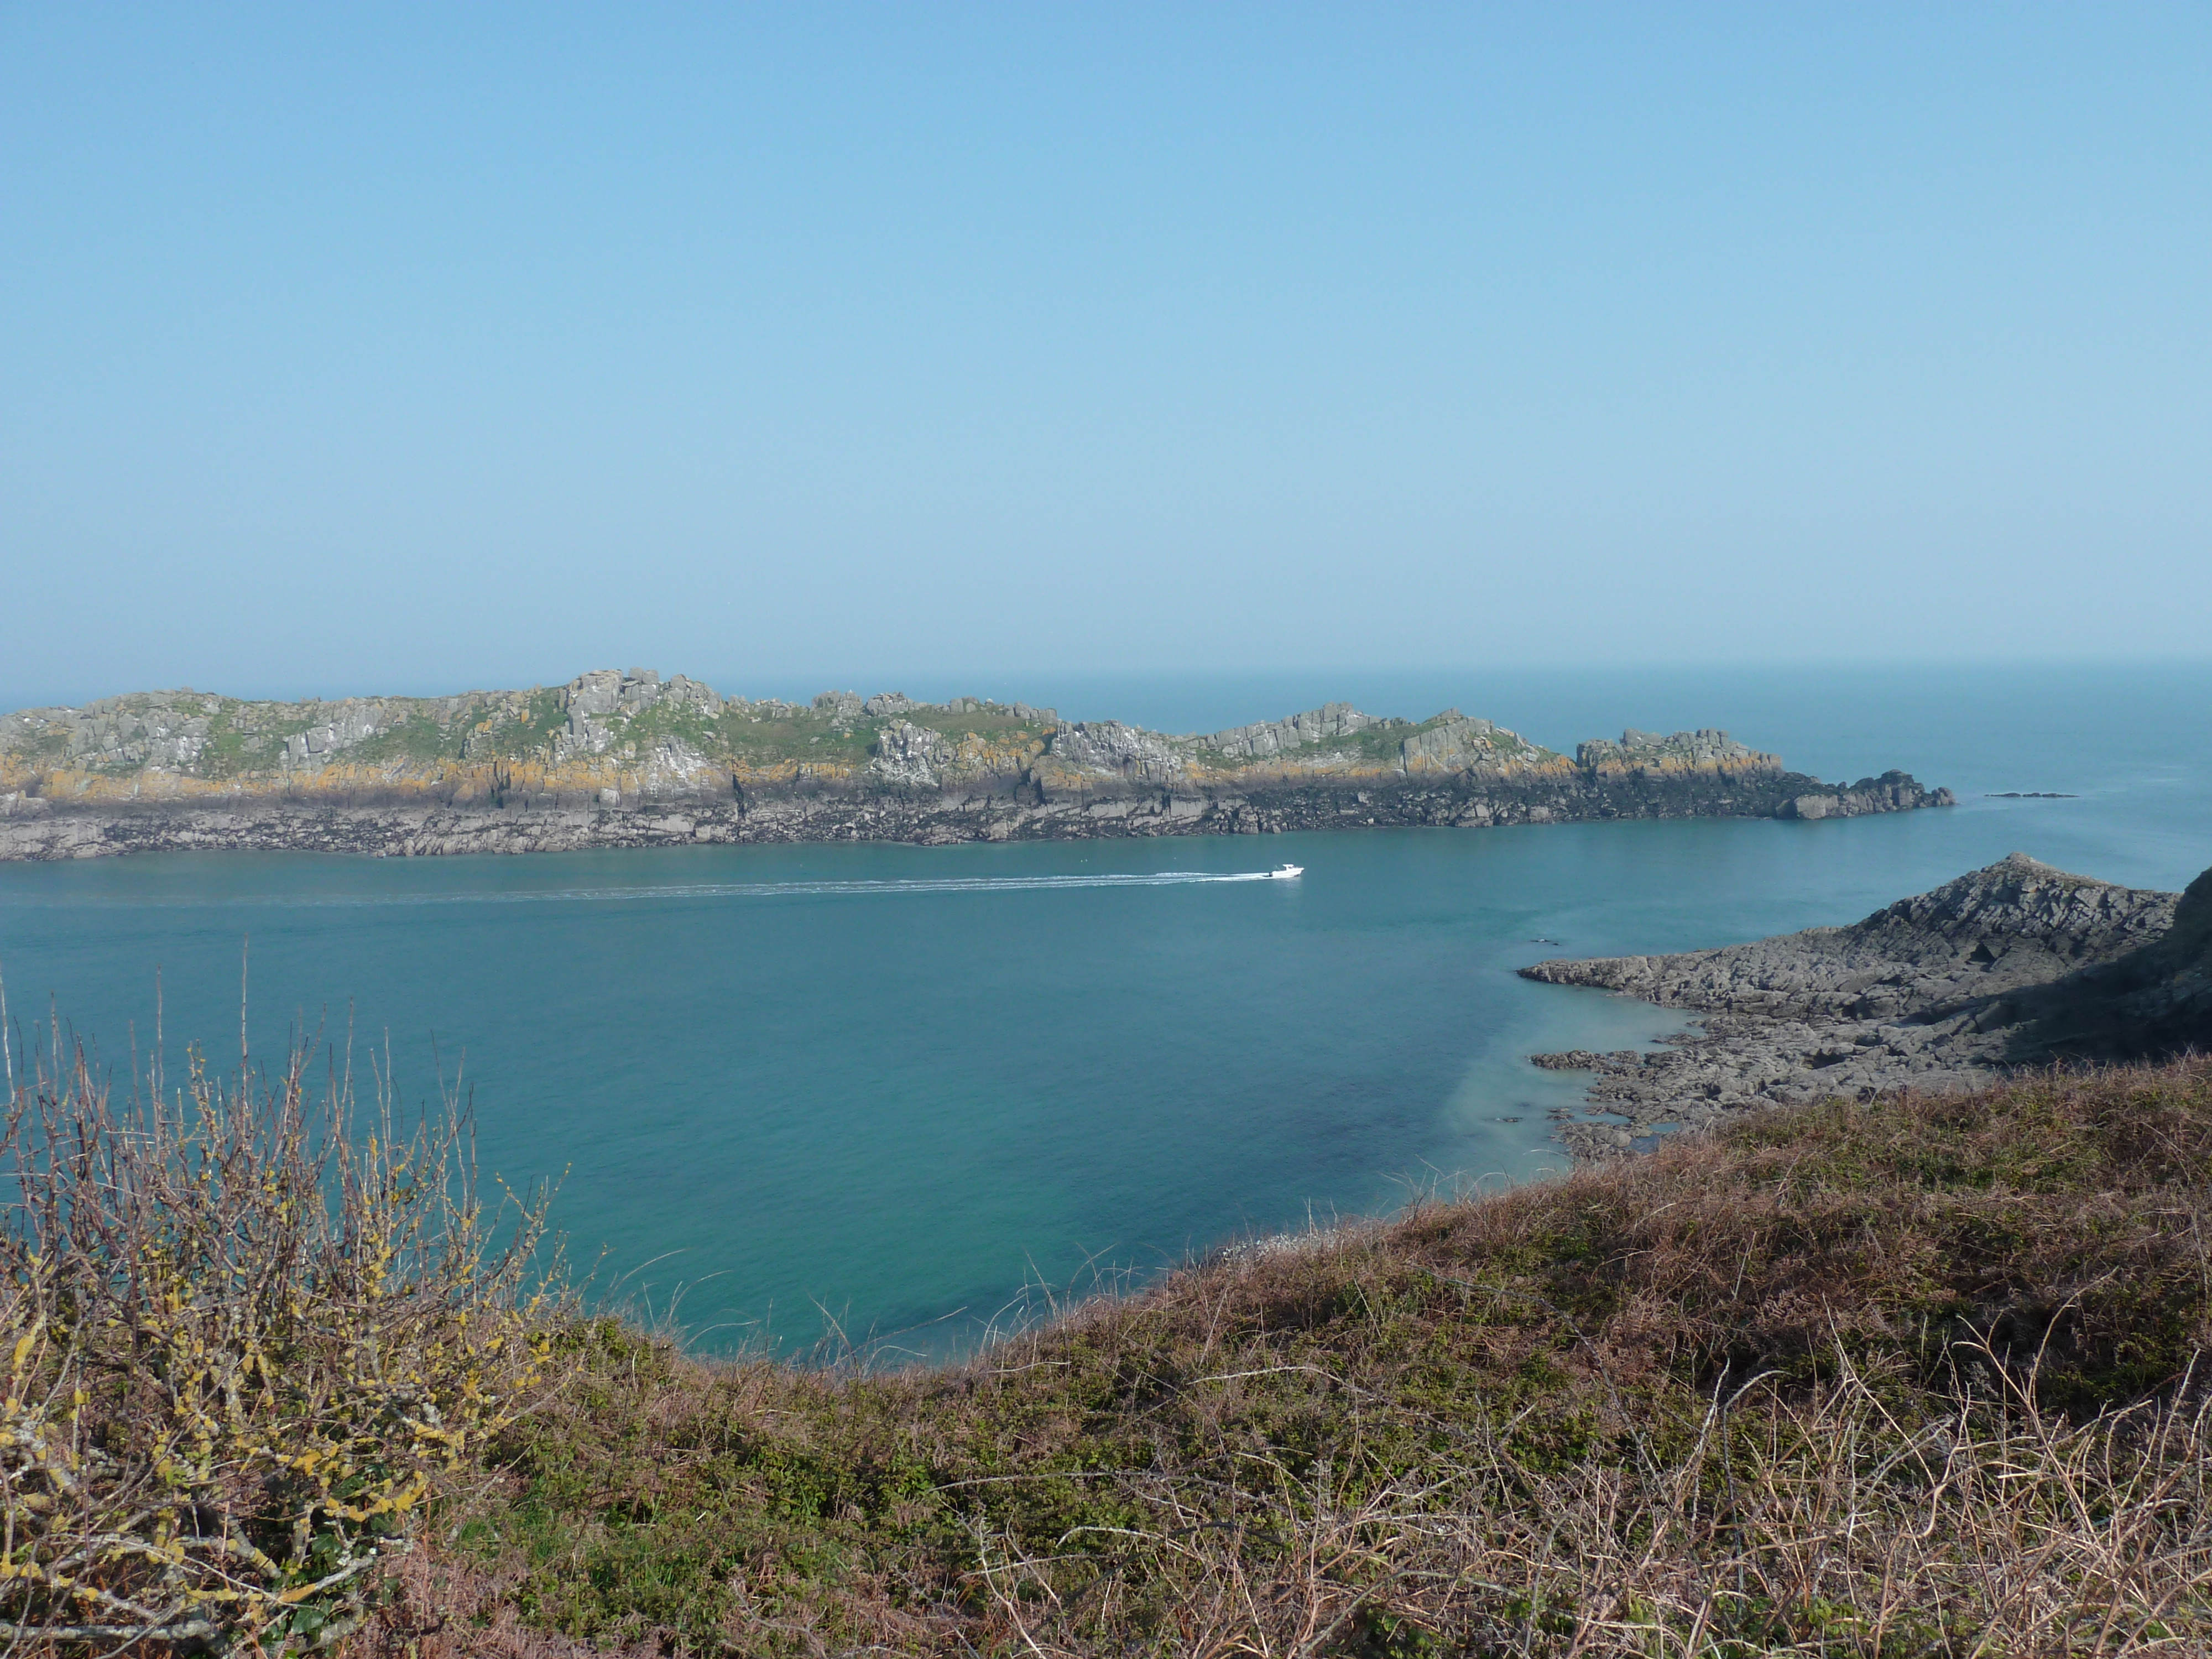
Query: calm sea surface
895	1085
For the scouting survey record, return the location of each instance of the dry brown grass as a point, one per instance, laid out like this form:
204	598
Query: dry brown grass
1825	1525
1908	1378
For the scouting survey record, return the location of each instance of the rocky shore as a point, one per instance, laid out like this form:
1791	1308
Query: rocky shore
631	760
2014	964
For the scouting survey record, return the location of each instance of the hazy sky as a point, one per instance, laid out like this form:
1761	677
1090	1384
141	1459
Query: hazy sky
390	347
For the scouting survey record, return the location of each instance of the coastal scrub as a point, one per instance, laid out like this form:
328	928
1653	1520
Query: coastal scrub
250	1334
1919	1376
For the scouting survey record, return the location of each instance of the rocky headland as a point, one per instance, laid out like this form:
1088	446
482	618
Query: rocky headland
628	759
2016	964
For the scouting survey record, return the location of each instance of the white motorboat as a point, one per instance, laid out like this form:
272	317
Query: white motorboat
1286	872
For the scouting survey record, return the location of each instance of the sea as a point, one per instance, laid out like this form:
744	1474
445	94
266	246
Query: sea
879	1101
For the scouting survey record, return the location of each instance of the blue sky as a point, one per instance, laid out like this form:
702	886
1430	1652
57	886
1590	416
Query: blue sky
406	348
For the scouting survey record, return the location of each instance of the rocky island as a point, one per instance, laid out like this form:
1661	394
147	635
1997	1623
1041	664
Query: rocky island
630	759
2016	964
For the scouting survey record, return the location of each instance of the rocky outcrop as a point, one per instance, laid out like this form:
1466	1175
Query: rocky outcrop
1935	992
1649	754
1088	753
2153	1002
1271	738
1891	792
613	756
1452	743
909	755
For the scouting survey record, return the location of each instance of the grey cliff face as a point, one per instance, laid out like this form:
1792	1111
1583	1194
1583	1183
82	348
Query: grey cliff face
1333	720
1115	750
154	729
909	755
1933	992
1458	744
1020	711
600	706
348	725
1648	751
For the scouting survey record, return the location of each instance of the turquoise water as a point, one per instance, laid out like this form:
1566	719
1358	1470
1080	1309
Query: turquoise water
895	1085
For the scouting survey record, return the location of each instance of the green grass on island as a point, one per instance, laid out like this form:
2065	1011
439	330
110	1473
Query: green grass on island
1920	1377
245	740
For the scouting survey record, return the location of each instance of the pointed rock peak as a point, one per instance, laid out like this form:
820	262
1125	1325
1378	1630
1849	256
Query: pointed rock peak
2019	867
2023	897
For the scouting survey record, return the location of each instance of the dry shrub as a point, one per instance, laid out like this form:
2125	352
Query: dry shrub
247	1336
1824	1525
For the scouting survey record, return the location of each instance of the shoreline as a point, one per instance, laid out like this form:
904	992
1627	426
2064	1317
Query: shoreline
40	829
2016	964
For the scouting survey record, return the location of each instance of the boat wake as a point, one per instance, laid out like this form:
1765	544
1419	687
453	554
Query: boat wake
732	890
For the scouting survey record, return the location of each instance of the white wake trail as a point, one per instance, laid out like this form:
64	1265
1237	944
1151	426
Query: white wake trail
737	889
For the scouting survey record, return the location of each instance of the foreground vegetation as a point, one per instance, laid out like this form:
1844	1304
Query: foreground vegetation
250	1339
1919	1376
